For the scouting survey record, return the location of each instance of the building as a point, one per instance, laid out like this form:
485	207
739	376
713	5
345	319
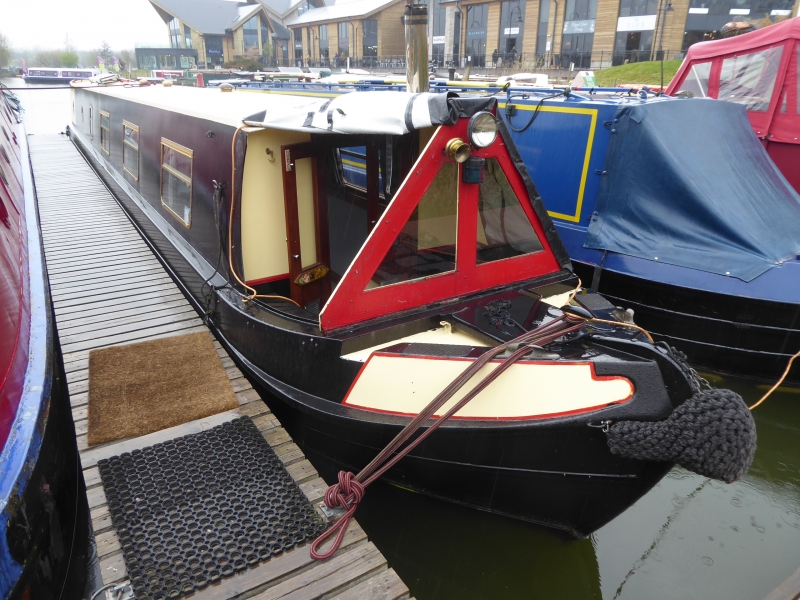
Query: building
520	34
153	59
219	30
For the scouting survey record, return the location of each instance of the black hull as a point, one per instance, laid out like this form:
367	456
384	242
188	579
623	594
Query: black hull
724	334
49	535
472	465
518	470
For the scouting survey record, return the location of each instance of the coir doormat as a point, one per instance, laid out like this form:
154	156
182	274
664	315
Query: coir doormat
141	388
202	507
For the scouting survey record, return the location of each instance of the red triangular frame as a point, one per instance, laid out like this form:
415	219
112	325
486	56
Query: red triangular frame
351	303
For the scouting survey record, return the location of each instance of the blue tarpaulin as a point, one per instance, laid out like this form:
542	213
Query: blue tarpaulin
688	183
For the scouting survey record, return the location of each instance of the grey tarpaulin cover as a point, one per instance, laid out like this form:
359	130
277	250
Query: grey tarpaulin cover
688	182
393	113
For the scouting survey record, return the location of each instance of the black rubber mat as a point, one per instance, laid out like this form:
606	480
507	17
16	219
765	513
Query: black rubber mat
202	507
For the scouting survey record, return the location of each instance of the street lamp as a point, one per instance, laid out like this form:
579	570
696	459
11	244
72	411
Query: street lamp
666	7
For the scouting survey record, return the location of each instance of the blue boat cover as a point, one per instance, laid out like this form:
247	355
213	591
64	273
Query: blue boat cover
688	183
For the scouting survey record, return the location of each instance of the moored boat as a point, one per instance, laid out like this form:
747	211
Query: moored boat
59	75
357	302
43	508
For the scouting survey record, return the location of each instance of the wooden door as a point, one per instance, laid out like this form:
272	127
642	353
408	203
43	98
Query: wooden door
306	210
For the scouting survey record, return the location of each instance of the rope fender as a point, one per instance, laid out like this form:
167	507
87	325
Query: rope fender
712	434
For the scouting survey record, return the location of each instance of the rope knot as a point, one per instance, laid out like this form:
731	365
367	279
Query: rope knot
345	494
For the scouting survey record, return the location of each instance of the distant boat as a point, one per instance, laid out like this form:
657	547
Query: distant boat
51	75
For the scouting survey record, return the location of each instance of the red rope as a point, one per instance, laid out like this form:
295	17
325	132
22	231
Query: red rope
350	489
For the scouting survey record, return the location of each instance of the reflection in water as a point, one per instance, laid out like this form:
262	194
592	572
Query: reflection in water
688	538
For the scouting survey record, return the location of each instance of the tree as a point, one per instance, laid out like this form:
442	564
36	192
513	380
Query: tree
47	58
127	59
69	59
5	51
106	54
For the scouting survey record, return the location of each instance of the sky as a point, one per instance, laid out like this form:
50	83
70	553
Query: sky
45	23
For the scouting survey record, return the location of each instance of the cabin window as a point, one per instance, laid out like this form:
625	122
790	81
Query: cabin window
696	81
105	132
82	119
130	149
176	180
5	155
5	133
504	230
91	123
3	176
749	79
353	164
427	243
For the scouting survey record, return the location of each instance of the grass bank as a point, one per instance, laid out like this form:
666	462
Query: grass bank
646	73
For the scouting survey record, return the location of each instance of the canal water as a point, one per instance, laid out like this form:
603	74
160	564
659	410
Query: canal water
689	538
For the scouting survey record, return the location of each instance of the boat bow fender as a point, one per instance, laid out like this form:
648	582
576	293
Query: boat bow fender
712	434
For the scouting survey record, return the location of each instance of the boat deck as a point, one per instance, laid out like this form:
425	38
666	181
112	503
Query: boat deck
108	288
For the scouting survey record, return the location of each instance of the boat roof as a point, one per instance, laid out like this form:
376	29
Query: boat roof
393	113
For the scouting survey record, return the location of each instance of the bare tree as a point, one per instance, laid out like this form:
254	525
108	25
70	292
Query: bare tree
5	51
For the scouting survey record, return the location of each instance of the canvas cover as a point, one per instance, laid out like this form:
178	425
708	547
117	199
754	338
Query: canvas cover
689	184
392	113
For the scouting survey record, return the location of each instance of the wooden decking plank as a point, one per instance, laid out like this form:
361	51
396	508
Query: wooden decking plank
133	302
68	326
139	334
111	277
383	586
117	294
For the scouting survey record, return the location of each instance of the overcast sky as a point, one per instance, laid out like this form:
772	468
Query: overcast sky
45	23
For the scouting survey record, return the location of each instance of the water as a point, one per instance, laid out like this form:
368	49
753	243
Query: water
690	538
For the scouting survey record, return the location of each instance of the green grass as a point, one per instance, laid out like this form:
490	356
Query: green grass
645	73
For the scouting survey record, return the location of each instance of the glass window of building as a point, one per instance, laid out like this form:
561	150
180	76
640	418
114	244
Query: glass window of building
512	26
187	36
750	78
344	39
175	33
477	21
438	14
298	45
632	46
706	17
176	180
633	8
265	37
250	32
576	43
542	43
324	47
370	38
303	7
214	49
130	149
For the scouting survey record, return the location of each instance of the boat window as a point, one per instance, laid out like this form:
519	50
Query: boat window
426	245
105	131
749	79
3	176
5	133
696	81
176	180
130	149
353	163
82	119
504	230
3	152
91	123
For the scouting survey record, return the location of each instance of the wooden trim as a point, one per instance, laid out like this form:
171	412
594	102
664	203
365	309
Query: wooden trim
130	125
177	147
174	172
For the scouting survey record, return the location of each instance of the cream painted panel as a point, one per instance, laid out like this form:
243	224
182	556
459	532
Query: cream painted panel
402	384
440	335
264	251
305	211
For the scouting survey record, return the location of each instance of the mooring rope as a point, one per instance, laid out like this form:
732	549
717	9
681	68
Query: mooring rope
779	382
349	491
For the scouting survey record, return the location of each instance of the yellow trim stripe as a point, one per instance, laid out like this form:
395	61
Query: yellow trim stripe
589	142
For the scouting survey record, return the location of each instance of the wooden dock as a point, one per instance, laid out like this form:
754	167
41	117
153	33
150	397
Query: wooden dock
108	289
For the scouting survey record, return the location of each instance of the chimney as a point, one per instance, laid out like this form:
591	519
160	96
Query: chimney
416	22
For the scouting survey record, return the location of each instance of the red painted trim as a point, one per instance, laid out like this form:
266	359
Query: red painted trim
267	279
595	377
351	303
